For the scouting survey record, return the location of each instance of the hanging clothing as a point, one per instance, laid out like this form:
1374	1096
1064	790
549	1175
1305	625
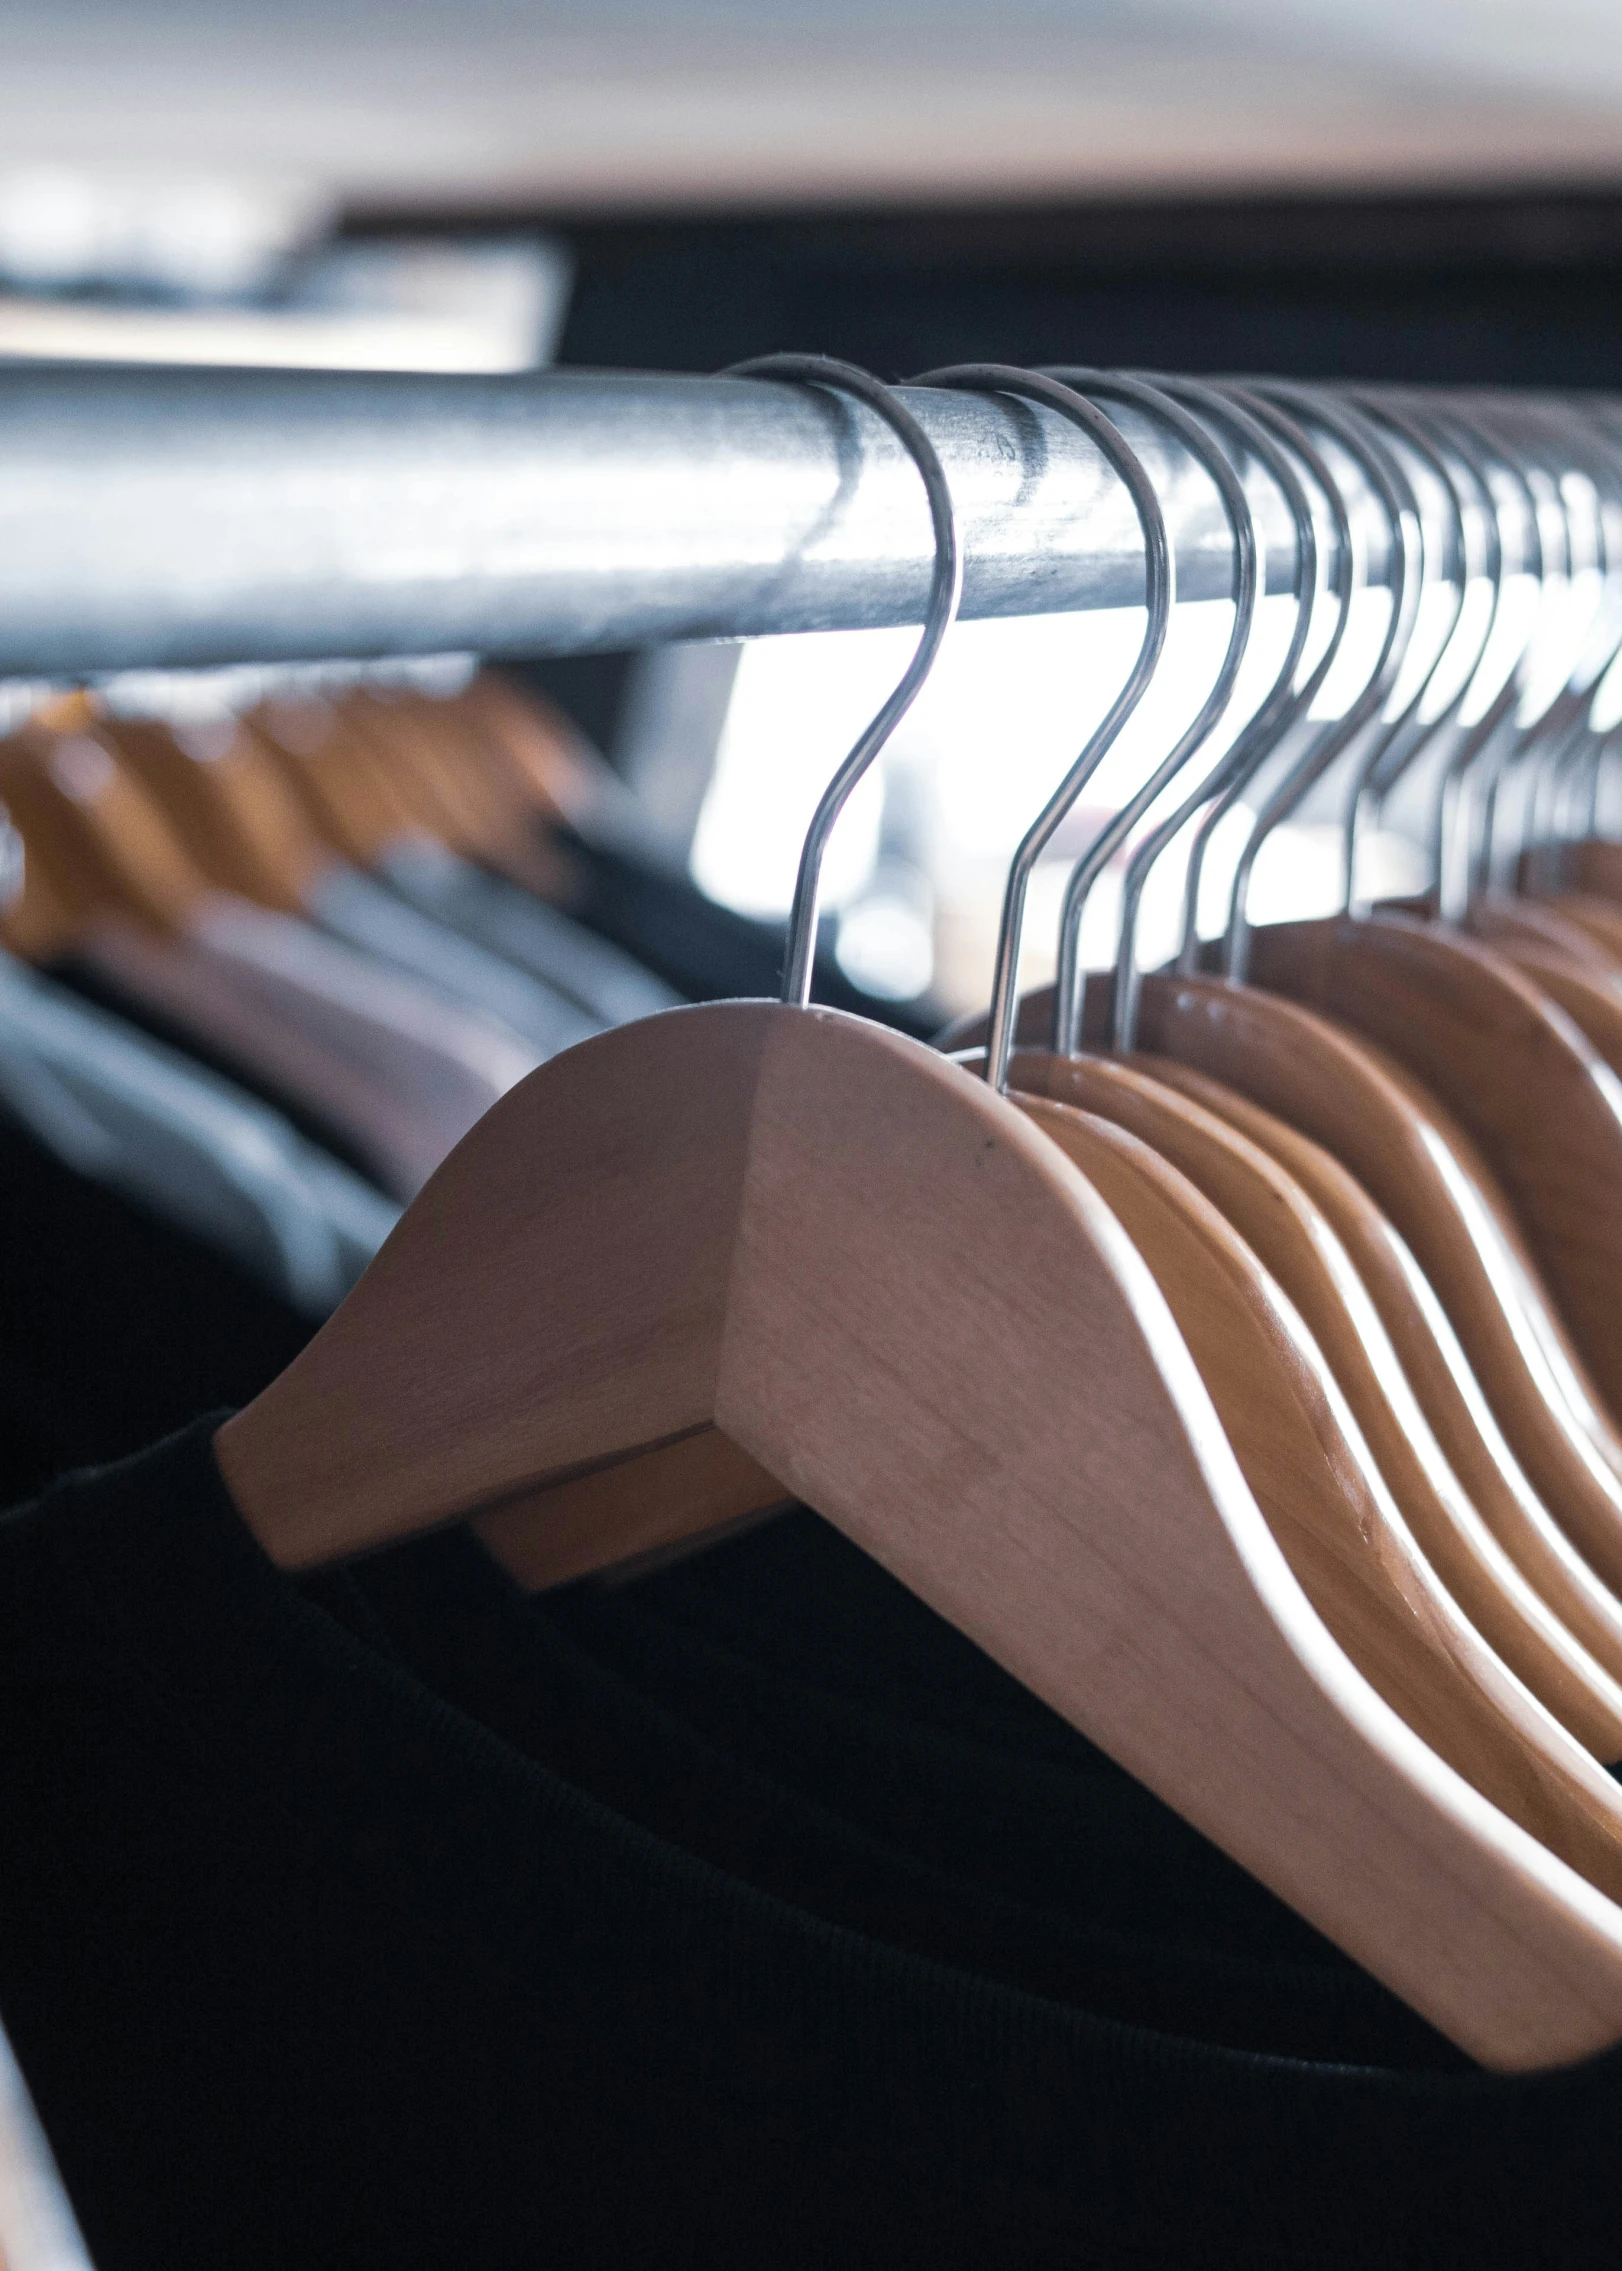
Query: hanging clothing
310	1961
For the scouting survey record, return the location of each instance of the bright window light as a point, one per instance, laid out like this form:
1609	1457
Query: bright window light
916	867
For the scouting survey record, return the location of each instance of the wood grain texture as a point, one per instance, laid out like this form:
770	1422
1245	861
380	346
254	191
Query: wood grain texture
1593	868
1513	1069
1301	1451
890	1290
681	1495
1302	1254
1434	1362
1424	1173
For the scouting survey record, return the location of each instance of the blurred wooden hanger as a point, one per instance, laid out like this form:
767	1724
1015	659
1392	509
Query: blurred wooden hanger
395	1073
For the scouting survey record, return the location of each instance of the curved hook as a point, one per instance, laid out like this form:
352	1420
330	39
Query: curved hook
1378	771
1480	747
1287	706
1160	589
945	596
1394	497
1160	403
1258	425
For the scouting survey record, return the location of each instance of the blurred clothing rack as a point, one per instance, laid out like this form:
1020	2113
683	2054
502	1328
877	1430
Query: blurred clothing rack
173	517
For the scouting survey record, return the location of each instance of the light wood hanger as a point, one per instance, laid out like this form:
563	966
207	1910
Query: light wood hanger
1493	1047
354	804
1512	1066
1297	1246
1300	1449
875	1275
1423	1173
1260	1200
1432	1360
223	795
398	1075
1412	1159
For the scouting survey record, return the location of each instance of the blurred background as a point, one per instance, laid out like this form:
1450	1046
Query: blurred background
1383	192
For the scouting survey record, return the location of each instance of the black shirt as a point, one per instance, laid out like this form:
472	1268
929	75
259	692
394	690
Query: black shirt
340	1925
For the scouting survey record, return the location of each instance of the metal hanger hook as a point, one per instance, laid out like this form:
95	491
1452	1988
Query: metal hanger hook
1160	591
945	597
1159	401
1274	441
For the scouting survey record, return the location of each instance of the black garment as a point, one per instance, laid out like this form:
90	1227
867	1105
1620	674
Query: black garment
114	1327
307	1967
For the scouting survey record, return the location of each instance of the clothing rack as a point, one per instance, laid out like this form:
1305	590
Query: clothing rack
167	517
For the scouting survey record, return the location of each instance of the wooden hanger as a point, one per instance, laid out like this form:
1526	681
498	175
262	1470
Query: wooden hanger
225	799
354	803
102	843
1427	1178
1293	1238
878	1278
1262	1202
1423	1172
1432	1360
1491	1045
1298	1244
1515	1071
399	1075
1300	1449
1298	1248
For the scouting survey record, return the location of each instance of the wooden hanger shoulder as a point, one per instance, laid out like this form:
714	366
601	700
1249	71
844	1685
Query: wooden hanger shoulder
1511	1066
1325	1501
1509	920
1300	1250
893	1292
1434	1362
1426	1177
106	847
346	797
228	803
1593	866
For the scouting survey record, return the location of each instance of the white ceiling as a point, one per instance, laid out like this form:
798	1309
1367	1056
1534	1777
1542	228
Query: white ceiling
593	103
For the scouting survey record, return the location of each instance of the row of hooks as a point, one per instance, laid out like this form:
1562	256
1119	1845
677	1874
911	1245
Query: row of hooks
1477	501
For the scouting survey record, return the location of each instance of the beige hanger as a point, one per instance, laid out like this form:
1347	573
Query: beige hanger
1592	914
1425	1175
1299	1249
1513	1069
456	788
399	1074
1593	868
354	804
1432	1360
1511	919
885	1285
102	843
224	796
1300	1449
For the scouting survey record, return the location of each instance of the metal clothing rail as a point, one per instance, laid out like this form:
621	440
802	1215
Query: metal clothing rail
157	518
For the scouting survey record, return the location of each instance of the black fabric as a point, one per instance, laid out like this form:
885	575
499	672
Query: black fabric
310	1962
115	1327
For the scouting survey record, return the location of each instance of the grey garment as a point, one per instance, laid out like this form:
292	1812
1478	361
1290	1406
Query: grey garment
365	913
605	981
402	1071
125	1111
